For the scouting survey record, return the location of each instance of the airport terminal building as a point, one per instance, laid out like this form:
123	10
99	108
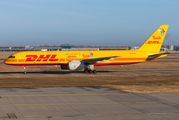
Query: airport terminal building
59	48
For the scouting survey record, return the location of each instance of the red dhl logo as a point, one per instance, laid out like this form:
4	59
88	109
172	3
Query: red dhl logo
31	58
153	42
156	38
86	55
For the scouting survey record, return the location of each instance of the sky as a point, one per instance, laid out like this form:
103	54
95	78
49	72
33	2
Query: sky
86	22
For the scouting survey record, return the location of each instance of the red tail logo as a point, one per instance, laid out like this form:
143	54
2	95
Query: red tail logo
153	42
156	38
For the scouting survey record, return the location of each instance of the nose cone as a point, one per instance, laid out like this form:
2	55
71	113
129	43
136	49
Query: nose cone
10	61
6	61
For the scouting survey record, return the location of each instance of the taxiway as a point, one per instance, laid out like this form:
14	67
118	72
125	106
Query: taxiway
137	72
85	103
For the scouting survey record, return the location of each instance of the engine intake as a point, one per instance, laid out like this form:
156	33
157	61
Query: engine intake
76	65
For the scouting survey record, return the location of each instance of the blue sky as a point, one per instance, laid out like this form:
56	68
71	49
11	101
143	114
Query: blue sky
85	22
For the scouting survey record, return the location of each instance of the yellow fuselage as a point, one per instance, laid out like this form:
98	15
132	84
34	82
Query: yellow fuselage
63	57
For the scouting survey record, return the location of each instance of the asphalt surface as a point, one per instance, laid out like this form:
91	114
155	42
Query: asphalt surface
2	60
136	72
168	59
85	103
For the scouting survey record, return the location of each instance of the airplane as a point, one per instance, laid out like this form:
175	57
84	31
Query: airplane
78	60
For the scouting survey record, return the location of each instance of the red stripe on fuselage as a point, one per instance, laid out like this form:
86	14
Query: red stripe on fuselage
41	64
96	64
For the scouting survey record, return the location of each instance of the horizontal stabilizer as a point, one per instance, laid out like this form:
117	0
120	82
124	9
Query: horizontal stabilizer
156	55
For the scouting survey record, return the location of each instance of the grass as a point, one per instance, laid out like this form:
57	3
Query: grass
128	83
5	55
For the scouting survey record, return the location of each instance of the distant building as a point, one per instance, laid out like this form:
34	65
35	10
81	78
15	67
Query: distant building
75	49
163	49
114	48
59	48
63	48
135	47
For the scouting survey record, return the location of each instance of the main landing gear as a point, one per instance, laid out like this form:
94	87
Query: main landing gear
24	69
90	69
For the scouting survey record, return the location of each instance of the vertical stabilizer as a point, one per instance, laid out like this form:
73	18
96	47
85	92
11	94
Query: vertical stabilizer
155	41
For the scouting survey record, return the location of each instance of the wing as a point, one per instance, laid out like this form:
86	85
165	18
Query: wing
98	60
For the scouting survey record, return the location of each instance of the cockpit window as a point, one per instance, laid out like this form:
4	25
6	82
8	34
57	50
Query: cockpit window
11	57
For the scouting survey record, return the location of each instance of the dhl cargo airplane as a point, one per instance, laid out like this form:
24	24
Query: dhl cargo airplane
78	60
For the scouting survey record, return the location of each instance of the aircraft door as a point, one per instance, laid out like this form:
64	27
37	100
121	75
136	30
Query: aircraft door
18	57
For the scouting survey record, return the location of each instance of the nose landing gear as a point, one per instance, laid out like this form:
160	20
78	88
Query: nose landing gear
24	69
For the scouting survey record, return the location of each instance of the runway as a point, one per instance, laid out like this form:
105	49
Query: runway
2	60
136	72
85	103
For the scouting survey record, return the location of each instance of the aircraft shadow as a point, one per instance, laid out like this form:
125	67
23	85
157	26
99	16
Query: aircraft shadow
53	72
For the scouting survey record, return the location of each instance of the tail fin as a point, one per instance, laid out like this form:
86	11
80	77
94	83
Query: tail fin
155	41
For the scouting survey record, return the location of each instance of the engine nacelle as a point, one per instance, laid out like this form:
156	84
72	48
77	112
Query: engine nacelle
76	65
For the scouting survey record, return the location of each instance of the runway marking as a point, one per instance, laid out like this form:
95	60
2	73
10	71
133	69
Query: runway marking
102	103
65	95
93	115
11	115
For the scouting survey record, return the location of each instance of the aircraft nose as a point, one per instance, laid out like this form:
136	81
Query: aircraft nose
5	61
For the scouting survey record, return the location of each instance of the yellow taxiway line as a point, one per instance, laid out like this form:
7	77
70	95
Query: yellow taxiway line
93	115
100	103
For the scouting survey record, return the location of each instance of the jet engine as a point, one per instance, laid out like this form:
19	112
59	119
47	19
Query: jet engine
73	65
76	65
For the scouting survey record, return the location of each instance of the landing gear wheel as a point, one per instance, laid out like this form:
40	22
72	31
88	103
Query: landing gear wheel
90	71
94	71
86	71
